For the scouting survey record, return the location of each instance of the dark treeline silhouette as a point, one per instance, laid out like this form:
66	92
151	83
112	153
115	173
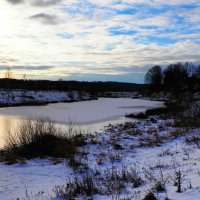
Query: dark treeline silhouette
175	78
92	87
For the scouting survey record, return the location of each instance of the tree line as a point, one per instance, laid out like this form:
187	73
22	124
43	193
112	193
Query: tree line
91	87
175	78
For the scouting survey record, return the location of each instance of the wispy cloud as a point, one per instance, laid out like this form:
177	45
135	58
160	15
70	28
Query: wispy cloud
46	18
45	2
102	37
15	1
41	3
40	68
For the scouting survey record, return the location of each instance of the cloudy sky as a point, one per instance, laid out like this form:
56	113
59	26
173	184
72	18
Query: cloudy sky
108	40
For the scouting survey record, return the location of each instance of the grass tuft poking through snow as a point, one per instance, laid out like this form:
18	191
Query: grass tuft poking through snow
110	182
40	138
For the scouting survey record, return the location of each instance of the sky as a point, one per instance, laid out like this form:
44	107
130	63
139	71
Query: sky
96	40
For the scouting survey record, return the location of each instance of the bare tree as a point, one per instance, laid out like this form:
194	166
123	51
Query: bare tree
176	78
23	90
197	73
154	77
8	76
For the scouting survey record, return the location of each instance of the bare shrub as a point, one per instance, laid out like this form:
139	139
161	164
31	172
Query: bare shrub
40	138
179	180
150	140
160	187
135	132
178	176
110	182
150	196
79	186
194	139
100	158
78	164
166	152
176	133
190	117
115	156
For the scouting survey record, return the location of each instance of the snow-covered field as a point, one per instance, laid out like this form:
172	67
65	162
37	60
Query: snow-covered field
152	150
155	151
24	96
36	178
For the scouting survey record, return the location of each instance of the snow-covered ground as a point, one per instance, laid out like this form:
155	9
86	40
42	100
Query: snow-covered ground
35	178
156	151
153	149
24	96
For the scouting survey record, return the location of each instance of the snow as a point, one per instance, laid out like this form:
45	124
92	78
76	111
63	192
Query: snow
169	155
171	152
23	96
36	178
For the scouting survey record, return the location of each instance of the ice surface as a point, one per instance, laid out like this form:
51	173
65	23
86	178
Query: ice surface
85	111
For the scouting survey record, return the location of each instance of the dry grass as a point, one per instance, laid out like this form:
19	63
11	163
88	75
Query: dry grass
41	138
110	182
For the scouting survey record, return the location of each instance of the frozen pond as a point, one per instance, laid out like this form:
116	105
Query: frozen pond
90	115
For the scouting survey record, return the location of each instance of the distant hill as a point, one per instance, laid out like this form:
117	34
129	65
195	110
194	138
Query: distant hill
92	87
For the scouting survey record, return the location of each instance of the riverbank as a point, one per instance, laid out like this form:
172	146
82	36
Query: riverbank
41	103
126	161
15	98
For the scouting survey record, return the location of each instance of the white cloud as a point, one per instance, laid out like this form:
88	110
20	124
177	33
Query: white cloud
61	34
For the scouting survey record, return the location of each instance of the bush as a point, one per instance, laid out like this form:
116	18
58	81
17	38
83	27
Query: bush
157	111
194	139
137	116
190	117
40	138
160	187
150	196
170	109
83	186
111	182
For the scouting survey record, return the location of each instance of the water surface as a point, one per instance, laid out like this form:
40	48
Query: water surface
89	115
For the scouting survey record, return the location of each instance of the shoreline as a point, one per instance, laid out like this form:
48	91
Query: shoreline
41	103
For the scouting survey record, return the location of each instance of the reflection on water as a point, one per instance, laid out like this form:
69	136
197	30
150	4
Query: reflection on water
9	125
